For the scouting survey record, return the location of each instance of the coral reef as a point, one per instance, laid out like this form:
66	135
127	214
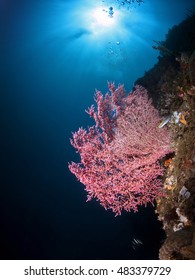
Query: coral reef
171	83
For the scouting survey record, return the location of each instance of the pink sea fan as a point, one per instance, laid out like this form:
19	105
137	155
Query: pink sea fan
120	154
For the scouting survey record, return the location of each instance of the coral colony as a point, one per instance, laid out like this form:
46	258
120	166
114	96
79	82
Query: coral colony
120	154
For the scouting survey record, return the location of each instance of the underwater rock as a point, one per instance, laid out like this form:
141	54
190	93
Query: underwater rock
171	249
192	68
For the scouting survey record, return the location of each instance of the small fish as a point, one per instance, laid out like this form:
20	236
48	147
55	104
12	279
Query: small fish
136	243
182	119
164	121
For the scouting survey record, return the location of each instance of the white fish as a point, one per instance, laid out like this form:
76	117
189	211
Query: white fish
164	121
136	243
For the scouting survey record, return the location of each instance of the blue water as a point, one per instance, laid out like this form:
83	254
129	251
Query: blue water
55	53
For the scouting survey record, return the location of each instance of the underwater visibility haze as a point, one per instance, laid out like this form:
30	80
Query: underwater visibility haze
56	53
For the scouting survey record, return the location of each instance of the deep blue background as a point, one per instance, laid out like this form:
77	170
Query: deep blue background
51	64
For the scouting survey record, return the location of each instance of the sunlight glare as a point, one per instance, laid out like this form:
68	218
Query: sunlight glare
102	18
